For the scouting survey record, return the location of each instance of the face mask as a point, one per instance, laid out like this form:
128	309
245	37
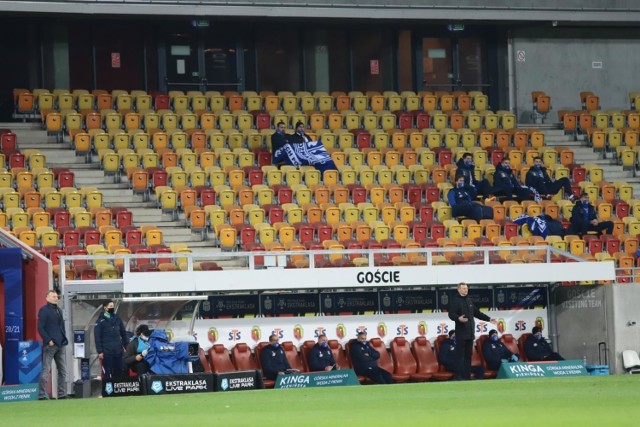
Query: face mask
468	162
111	310
538	336
584	202
144	338
275	344
460	184
324	344
365	342
494	337
537	166
506	168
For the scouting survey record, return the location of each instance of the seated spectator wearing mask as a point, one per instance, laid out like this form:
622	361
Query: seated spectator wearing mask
538	349
321	357
274	361
137	349
495	352
538	178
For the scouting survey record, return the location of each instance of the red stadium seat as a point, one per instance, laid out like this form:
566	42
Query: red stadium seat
339	354
477	347
247	360
220	360
403	361
291	352
523	338
203	359
427	361
510	342
385	360
305	349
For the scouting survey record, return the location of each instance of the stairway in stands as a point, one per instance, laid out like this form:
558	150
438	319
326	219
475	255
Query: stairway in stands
62	155
583	153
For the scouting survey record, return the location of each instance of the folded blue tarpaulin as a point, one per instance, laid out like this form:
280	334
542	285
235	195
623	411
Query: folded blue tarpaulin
166	357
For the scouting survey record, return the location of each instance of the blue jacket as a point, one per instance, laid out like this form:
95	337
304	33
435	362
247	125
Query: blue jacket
447	354
537	350
458	197
468	172
273	361
582	216
538	179
503	180
494	352
166	357
51	325
363	357
320	358
110	334
278	140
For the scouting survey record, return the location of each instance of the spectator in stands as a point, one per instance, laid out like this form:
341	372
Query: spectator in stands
538	349
274	361
505	184
111	339
447	357
364	359
584	218
299	136
278	140
462	204
299	150
54	339
475	188
137	349
321	357
462	311
538	179
495	352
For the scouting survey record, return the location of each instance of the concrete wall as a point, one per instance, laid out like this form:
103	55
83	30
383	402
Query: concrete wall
564	62
588	315
581	322
623	314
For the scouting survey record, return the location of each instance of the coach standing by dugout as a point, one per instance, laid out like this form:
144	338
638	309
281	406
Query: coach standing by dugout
111	339
54	340
462	311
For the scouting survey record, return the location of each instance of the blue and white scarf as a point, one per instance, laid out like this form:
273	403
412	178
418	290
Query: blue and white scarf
302	154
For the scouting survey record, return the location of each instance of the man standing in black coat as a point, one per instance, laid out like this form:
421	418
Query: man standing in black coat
447	357
274	361
321	357
495	352
538	349
111	339
54	340
462	311
364	359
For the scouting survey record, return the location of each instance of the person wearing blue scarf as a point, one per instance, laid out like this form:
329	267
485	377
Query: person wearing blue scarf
137	349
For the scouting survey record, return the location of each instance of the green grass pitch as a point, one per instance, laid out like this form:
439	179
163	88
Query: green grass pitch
579	401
